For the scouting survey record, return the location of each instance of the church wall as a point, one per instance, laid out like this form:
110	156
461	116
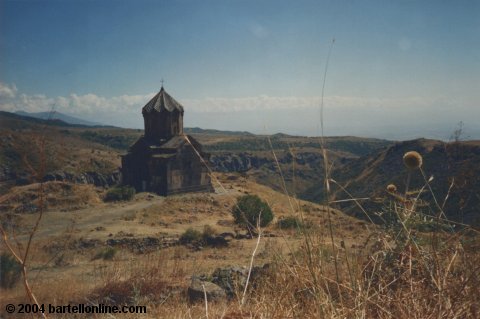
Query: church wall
186	172
157	172
132	172
163	125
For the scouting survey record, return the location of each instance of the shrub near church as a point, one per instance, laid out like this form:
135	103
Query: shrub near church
251	211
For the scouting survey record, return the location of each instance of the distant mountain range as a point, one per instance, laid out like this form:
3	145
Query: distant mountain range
197	130
58	116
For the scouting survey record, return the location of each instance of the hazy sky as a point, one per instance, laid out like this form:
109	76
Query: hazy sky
398	69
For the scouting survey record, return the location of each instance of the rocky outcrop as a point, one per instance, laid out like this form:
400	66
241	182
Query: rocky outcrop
242	162
142	245
137	245
216	241
231	279
10	177
13	177
94	178
200	289
225	282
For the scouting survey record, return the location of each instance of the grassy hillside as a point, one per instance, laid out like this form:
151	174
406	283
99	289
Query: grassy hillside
78	230
76	149
325	264
32	147
363	166
312	261
453	166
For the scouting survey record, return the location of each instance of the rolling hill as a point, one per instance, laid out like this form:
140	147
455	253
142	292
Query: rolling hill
152	249
58	116
86	149
454	167
363	166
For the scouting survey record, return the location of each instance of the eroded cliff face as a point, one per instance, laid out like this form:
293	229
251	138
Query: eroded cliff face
237	162
94	178
10	176
299	171
244	161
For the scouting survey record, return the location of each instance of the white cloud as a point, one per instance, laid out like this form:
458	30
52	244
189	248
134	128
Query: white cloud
7	91
72	104
253	113
92	104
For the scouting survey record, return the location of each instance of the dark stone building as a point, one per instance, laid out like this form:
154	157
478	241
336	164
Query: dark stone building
165	160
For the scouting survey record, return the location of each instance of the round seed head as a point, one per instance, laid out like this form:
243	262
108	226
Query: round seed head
412	160
391	188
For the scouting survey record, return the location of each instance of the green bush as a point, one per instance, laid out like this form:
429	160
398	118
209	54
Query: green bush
10	271
248	209
190	235
290	222
116	141
205	238
208	232
120	193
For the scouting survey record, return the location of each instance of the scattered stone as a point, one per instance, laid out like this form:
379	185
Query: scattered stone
95	178
227	235
232	279
124	234
268	234
243	236
27	208
225	222
84	243
199	288
216	241
142	245
60	261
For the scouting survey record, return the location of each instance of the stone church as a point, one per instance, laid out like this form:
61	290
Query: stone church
165	160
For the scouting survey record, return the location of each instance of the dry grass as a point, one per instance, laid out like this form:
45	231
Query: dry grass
361	271
378	283
58	195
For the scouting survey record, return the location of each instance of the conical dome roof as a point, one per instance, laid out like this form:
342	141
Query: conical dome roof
162	101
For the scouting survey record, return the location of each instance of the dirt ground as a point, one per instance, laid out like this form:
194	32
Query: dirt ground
64	262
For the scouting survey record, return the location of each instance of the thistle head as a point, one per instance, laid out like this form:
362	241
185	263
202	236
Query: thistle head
391	188
412	160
